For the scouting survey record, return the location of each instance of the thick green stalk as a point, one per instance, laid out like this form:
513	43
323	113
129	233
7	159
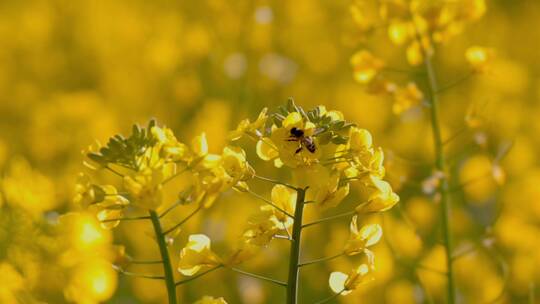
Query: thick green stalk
441	166
294	257
167	267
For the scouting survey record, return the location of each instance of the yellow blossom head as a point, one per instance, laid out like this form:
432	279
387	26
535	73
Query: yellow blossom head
197	254
382	198
365	66
361	239
342	283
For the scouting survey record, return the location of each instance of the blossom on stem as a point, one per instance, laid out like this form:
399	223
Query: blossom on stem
345	283
382	198
197	254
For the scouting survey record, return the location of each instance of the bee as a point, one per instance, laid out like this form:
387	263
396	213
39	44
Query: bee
305	141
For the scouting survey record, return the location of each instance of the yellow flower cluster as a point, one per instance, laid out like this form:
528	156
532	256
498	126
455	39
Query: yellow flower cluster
417	24
148	160
325	154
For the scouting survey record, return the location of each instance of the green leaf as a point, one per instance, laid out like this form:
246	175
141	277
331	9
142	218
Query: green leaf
277	120
124	151
325	138
336	125
339	140
291	107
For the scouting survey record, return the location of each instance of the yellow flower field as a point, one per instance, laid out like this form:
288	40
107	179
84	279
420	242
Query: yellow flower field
309	151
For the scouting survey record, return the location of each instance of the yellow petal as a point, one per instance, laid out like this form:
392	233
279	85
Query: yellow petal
266	149
200	145
294	119
337	282
354	225
198	242
399	32
284	197
360	139
478	57
371	234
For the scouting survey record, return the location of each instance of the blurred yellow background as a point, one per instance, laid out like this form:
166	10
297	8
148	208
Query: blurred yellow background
76	72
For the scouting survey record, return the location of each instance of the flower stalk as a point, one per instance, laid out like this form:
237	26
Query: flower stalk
166	261
294	257
440	166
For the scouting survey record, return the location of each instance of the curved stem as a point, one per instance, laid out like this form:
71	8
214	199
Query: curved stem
294	257
273	181
259	277
269	202
138	275
330	218
330	298
321	260
183	221
141	262
198	275
171	208
441	166
167	267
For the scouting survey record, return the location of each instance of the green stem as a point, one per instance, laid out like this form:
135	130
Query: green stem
144	262
183	221
260	277
440	166
294	257
167	267
330	298
330	218
273	181
269	202
321	260
198	275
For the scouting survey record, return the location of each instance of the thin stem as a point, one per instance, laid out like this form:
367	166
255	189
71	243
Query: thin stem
440	166
455	83
427	268
330	218
183	221
273	181
286	230
455	135
330	298
470	182
167	267
294	257
462	253
282	237
269	202
126	219
145	262
138	275
171	208
198	275
321	260
114	171
170	178
281	283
